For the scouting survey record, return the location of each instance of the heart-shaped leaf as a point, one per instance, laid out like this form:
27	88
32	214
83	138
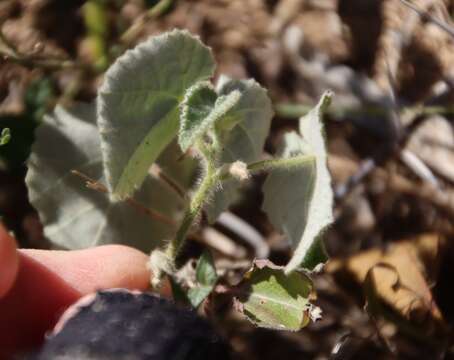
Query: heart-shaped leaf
74	216
138	104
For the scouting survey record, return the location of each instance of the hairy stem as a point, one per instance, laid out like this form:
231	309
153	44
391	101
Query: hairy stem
212	176
210	179
285	163
289	164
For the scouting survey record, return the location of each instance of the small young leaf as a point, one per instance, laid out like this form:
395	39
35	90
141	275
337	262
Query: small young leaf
138	104
74	216
200	109
205	271
299	201
206	279
5	136
271	299
246	127
198	293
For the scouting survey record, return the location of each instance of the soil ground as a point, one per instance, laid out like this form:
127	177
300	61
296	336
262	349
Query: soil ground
390	133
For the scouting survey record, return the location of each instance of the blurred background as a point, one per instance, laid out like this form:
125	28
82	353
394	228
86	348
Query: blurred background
390	134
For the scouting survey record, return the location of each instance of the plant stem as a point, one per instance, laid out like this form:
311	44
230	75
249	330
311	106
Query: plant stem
173	185
138	25
153	214
212	176
285	163
163	262
160	8
295	111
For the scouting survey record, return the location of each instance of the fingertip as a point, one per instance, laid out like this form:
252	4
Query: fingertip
122	267
102	267
9	261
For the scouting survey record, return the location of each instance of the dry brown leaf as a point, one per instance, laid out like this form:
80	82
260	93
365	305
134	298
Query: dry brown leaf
399	277
413	51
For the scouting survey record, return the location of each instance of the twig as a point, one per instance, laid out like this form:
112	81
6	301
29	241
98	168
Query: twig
137	26
160	8
442	200
155	215
347	345
370	163
295	111
394	111
246	232
11	53
364	170
171	183
222	243
416	165
395	37
426	16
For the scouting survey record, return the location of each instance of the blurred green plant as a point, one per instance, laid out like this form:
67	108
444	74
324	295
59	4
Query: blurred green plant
15	152
97	27
153	96
5	136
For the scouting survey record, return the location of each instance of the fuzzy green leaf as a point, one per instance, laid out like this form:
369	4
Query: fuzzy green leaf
74	216
206	280
269	298
299	201
246	127
200	110
138	104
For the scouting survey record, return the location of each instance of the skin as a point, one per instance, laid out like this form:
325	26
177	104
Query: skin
36	286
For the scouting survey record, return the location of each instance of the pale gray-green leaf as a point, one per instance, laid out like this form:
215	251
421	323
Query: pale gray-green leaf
138	104
200	109
74	216
197	294
251	120
206	278
269	298
205	271
299	201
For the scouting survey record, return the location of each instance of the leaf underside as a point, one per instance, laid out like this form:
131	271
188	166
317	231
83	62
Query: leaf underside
244	142
271	299
138	104
74	216
299	202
